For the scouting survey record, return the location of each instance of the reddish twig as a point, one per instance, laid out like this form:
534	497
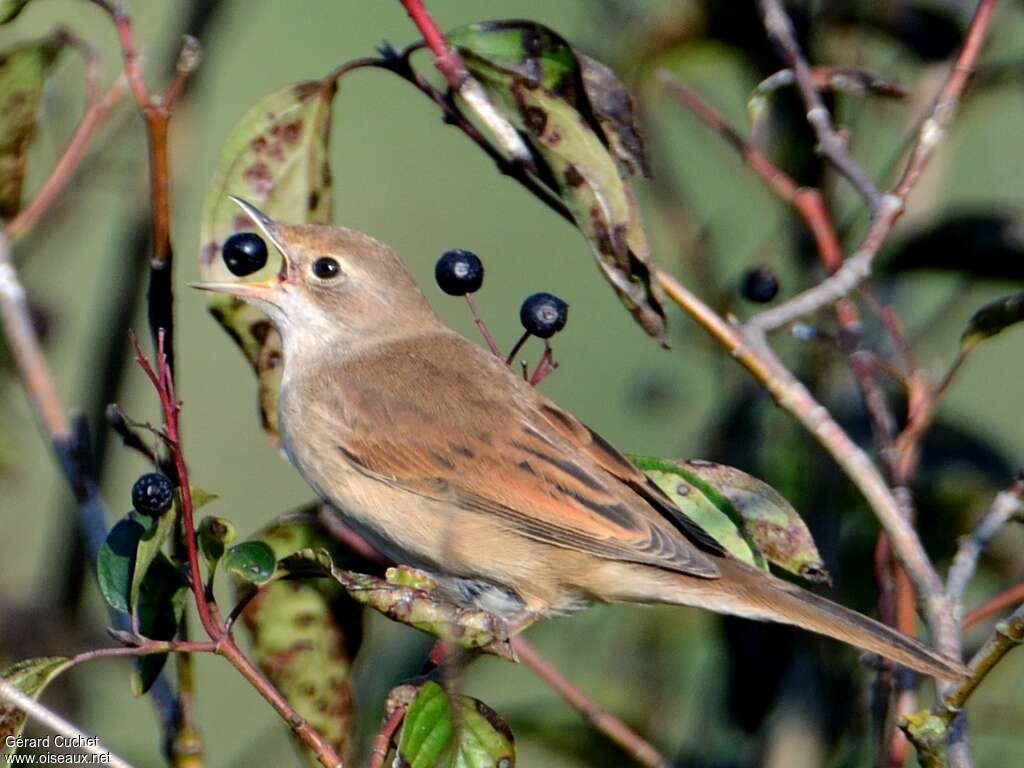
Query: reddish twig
1004	508
634	744
545	366
446	60
1012	597
482	326
156	111
830	144
382	742
807	202
163	383
209	616
461	82
857	267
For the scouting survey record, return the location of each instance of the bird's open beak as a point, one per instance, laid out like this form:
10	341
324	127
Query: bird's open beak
259	290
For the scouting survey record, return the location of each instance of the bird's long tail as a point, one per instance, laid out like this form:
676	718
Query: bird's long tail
744	591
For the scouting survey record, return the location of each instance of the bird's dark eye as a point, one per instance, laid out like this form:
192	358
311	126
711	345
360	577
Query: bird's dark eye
325	268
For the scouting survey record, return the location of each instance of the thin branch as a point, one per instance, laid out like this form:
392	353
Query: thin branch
95	115
933	129
1005	506
382	741
1008	599
933	732
156	111
748	346
634	744
830	144
467	87
209	615
50	719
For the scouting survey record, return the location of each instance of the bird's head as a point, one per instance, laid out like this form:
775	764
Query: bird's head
335	284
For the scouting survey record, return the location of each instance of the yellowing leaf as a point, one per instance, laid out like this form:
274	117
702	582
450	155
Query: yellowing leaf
23	71
30	677
276	158
579	119
305	635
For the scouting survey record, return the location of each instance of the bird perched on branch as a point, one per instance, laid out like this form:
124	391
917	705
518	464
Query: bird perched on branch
445	460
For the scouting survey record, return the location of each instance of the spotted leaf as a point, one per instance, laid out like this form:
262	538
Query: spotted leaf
768	521
579	120
305	634
23	72
30	677
276	158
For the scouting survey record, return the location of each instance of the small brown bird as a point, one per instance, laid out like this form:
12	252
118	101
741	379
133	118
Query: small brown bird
446	460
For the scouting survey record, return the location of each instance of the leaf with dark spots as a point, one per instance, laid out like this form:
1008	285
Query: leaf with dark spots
768	523
30	677
580	123
992	319
616	114
444	730
276	158
215	534
697	507
536	55
305	634
23	72
974	243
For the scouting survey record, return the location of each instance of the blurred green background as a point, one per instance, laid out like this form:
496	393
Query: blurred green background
407	178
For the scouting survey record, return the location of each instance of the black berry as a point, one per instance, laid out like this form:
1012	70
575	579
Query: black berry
152	494
760	284
543	314
459	272
244	253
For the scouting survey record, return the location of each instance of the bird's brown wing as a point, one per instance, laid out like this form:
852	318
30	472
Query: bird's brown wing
451	423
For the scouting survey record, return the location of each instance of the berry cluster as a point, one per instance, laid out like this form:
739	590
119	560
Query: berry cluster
460	273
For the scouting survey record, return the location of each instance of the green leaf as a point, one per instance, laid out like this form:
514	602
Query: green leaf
769	522
535	78
30	677
9	9
723	527
251	561
422	606
992	319
276	158
215	534
201	498
23	72
446	731
149	547
162	596
115	562
305	635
